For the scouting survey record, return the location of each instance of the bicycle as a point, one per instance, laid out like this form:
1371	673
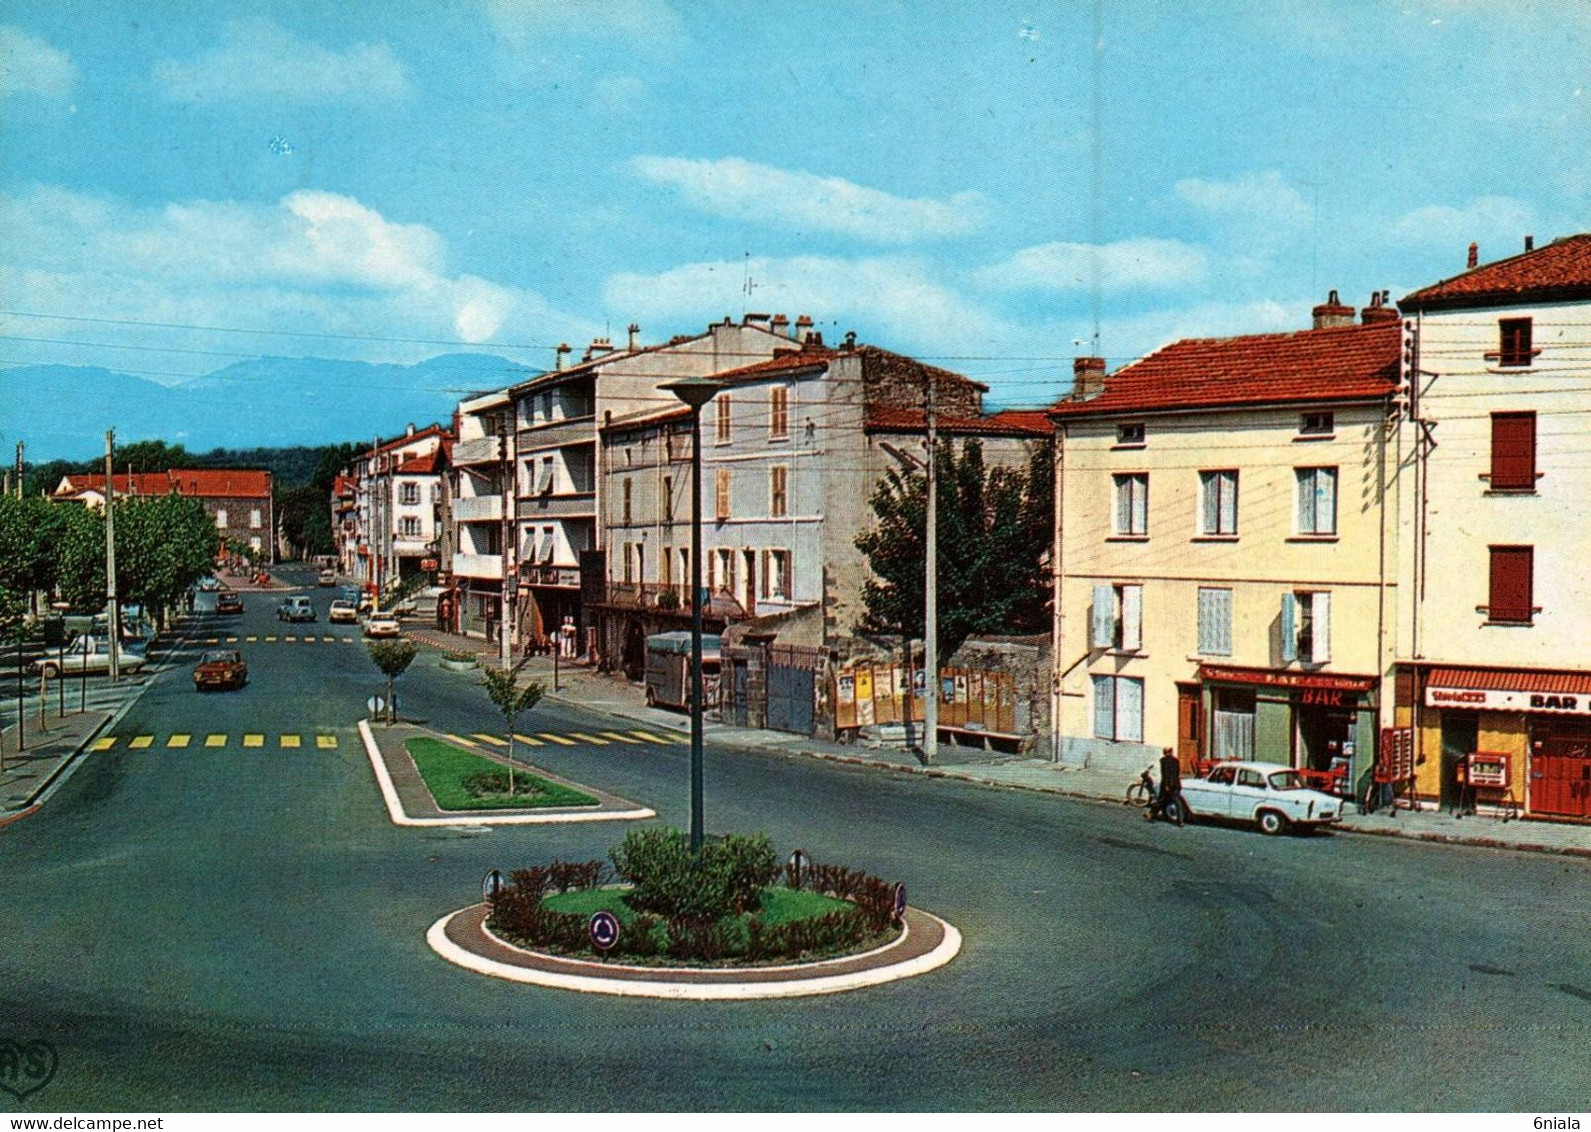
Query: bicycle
1142	792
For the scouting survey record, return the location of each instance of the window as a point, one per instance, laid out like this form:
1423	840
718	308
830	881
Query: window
254	519
685	571
1511	591
254	543
1513	348
721	410
1215	621
1220	503
1118	618
723	494
723	571
778	495
408	493
546	407
436	493
1132	504
629	565
776	574
1249	777
629	491
1317	424
1119	708
778	412
1306	627
668	499
665	567
220	518
1232	727
1513	452
549	543
1130	433
409	527
1317	501
544	484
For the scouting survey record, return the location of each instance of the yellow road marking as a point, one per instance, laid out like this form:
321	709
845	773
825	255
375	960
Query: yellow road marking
289	741
212	640
528	741
328	640
559	739
251	640
465	742
254	740
589	738
619	737
270	640
326	742
215	740
231	640
290	639
655	738
104	744
492	739
178	740
141	742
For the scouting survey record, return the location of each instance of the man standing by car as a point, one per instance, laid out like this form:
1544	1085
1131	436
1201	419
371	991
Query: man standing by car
1170	786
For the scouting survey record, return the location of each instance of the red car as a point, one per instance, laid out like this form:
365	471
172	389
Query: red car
220	668
229	601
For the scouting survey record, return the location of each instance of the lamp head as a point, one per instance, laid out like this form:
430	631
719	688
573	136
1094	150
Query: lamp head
694	391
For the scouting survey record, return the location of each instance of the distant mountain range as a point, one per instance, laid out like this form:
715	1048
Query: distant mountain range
62	412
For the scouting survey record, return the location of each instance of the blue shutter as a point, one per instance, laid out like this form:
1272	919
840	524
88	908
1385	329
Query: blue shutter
1140	504
1326	500
1306	500
1132	617
1209	482
1130	709
1104	707
1229	502
1289	628
1123	504
1104	618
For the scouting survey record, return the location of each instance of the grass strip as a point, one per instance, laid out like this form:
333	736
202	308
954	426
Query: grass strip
444	767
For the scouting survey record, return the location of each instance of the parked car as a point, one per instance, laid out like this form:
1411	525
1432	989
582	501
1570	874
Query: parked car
343	612
88	654
296	608
382	625
328	577
229	601
1274	797
220	668
359	597
209	583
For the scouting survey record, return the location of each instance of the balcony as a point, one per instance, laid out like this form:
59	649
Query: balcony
559	434
478	508
413	547
484	450
478	566
572	505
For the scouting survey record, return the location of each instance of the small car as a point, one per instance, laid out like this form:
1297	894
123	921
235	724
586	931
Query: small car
343	612
295	608
209	583
88	654
1273	797
229	601
328	577
382	625
220	668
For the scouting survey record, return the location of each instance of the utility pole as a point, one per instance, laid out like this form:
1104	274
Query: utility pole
112	609
19	469
505	652
931	592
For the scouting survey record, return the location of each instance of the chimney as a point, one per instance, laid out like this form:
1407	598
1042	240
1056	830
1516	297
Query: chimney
1379	310
758	320
410	430
598	347
563	355
1474	256
1530	243
781	325
1332	312
803	327
850	339
635	337
1088	378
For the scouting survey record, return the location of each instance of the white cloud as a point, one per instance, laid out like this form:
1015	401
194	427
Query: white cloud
31	66
524	24
259	59
1486	220
1122	266
1258	215
745	190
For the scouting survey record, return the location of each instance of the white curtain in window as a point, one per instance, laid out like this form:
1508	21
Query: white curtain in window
1104	707
1215	622
1234	734
1320	606
1103	635
1132	617
1129	709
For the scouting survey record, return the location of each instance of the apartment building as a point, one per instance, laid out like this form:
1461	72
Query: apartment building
386	509
240	501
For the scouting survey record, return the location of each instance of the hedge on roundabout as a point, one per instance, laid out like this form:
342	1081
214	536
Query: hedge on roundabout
735	904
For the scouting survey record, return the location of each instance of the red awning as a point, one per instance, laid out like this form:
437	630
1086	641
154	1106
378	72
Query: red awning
1505	680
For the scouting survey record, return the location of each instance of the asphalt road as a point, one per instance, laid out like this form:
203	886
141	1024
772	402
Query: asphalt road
241	928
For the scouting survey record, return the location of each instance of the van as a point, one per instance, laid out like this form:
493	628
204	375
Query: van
668	670
295	608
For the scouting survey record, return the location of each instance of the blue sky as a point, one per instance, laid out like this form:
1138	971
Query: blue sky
390	181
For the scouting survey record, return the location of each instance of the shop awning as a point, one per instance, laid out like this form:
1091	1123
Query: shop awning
1511	680
1282	678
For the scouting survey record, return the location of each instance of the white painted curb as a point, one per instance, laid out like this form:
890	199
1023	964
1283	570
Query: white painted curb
395	811
789	988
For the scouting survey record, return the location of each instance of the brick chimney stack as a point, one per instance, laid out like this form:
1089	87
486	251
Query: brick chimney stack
803	328
1088	378
1474	256
635	337
1379	310
1332	312
563	355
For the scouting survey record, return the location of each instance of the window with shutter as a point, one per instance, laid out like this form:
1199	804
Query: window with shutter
1131	601
1289	628
778	498
778	412
722	482
1219	490
1317	501
1513	451
1104	707
1511	597
1215	622
1132	503
1514	342
629	491
1129	709
668	499
721	419
1320	627
1104	617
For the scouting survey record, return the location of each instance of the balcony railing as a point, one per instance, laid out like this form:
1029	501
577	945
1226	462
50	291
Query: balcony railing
483	450
475	508
478	565
648	595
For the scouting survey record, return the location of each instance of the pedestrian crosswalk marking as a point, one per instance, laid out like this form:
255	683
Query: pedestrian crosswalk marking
178	740
289	741
492	739
619	737
104	744
589	738
142	741
254	740
559	739
528	741
326	742
656	738
466	742
215	740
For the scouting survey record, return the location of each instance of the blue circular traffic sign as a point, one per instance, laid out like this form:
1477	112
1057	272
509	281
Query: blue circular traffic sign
604	930
900	901
800	865
492	886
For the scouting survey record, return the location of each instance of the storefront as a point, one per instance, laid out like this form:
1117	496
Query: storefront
1533	728
1320	722
549	600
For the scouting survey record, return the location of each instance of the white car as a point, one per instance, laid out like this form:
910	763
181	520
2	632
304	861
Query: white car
1275	797
382	625
344	612
88	654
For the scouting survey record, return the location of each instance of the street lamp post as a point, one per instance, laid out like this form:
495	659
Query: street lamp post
695	392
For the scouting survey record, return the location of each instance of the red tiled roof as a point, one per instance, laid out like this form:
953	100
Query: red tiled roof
1558	272
889	418
427	465
783	361
664	416
232	483
421	434
1504	680
344	485
1343	363
139	483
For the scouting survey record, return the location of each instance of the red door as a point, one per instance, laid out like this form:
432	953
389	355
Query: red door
1189	726
1560	769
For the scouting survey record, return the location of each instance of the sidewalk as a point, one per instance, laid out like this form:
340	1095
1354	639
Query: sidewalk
584	687
28	774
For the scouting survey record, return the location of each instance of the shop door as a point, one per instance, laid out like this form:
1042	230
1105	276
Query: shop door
1560	769
1190	715
1459	736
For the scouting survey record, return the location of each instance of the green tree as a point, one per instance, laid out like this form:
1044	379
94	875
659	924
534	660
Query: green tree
80	565
164	543
393	658
994	533
511	699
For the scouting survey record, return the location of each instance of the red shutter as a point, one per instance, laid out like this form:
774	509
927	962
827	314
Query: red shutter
1511	596
1513	450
